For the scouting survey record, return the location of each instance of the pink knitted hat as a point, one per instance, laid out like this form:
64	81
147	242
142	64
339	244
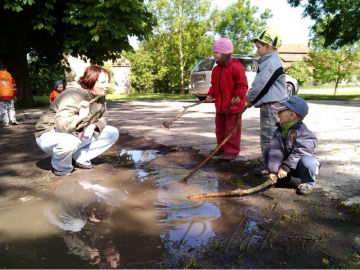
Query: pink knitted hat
223	45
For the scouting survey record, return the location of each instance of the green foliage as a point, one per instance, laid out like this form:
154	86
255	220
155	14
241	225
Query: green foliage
301	72
111	88
335	66
142	71
183	36
339	20
164	61
95	29
239	24
43	75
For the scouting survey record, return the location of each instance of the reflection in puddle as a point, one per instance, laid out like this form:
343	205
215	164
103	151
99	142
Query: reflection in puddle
141	215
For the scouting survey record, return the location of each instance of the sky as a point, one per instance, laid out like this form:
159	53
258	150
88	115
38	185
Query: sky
286	20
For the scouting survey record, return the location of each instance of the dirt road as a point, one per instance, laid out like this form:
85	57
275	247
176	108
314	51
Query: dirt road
291	231
335	123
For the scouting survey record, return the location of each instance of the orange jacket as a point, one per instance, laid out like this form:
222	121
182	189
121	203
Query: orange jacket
7	86
53	95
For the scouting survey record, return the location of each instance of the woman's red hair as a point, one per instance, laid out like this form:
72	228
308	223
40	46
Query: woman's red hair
91	75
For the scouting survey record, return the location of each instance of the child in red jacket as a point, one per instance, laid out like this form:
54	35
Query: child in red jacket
228	88
58	88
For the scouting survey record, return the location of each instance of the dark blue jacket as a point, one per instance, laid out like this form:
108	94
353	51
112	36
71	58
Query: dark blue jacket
300	141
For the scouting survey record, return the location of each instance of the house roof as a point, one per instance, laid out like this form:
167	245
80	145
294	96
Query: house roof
288	57
294	49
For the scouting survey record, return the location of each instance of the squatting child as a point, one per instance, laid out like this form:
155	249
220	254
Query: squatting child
58	88
228	88
292	147
269	85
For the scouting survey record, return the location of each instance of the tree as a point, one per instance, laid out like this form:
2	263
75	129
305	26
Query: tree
239	23
339	20
335	66
96	29
179	40
299	71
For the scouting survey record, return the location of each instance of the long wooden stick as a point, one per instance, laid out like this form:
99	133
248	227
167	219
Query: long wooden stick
95	99
238	121
168	123
232	193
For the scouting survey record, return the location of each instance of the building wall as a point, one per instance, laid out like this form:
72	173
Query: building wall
121	73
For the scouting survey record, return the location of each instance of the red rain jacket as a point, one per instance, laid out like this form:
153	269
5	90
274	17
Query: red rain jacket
228	82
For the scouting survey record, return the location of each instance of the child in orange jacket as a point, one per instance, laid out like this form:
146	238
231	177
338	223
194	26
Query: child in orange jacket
58	88
228	88
7	96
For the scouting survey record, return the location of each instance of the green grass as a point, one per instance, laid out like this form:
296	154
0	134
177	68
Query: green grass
344	93
112	97
43	101
38	102
353	97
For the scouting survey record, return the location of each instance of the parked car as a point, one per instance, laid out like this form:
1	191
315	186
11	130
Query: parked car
200	75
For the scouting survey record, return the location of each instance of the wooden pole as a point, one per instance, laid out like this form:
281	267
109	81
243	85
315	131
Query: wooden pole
238	121
168	123
232	193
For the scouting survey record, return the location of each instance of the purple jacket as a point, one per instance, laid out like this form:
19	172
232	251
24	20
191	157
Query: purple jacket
300	141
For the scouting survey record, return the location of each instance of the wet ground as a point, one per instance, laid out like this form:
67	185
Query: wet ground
132	212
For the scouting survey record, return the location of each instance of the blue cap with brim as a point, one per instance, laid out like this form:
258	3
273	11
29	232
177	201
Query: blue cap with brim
294	103
56	83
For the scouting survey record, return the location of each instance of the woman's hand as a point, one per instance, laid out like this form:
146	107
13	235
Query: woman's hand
88	131
84	109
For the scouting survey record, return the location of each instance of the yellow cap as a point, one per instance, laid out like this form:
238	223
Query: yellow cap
270	37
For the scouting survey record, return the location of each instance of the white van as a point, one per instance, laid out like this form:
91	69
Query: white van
200	75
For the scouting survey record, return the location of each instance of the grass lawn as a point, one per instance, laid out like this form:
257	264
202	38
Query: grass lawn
314	93
347	93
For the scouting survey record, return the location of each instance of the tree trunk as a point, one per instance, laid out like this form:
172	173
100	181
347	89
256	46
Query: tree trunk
18	67
336	86
181	55
337	81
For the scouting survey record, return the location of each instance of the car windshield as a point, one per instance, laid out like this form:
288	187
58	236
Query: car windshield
249	64
208	63
205	64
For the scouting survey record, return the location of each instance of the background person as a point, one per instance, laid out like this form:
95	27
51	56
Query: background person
228	87
58	88
74	129
292	148
269	85
8	93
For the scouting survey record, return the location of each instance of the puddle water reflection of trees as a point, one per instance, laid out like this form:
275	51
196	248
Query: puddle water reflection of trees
131	221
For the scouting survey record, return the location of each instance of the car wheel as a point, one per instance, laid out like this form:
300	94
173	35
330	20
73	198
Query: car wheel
290	89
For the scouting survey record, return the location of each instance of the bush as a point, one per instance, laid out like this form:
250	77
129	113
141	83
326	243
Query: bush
301	72
42	75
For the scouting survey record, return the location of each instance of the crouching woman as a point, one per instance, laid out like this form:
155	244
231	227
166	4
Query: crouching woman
74	128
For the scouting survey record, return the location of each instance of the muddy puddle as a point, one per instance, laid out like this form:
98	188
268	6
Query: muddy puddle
128	218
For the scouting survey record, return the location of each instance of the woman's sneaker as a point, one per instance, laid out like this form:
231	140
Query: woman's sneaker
14	122
305	189
60	173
